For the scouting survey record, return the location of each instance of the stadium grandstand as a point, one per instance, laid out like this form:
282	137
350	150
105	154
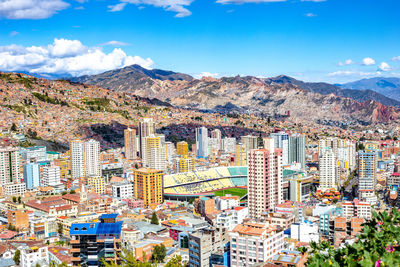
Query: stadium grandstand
183	186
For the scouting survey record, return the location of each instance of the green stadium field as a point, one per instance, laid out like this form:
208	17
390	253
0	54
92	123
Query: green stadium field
232	191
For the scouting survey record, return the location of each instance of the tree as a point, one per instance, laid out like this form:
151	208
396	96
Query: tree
13	127
60	228
378	245
302	250
14	198
176	261
159	253
154	219
19	200
17	257
72	192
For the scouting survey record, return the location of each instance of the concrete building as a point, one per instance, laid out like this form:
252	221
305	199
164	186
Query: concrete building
77	148
227	202
182	148
201	244
15	189
253	243
297	150
51	175
357	209
148	186
92	242
97	183
367	173
240	155
154	153
34	255
36	154
32	175
92	158
232	217
146	128
123	190
10	165
264	180
304	231
184	164
327	169
202	142
281	140
130	144
228	144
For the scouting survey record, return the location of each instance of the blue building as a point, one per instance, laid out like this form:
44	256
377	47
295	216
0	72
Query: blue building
93	242
32	175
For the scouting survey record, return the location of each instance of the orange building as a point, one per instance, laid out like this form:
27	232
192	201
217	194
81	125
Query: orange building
148	186
18	218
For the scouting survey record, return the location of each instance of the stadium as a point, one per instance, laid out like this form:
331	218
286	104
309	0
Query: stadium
184	186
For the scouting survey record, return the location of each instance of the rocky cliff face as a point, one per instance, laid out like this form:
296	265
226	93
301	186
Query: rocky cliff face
321	103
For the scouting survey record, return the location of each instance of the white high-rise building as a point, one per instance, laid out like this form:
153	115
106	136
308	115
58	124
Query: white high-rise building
202	142
51	175
264	174
282	141
327	169
154	155
130	144
92	158
77	148
146	128
85	158
229	144
10	165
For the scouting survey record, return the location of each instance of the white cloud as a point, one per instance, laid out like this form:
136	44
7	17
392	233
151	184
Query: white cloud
384	67
368	61
177	6
353	73
207	74
115	43
65	56
310	15
247	1
117	7
346	62
30	9
396	58
13	33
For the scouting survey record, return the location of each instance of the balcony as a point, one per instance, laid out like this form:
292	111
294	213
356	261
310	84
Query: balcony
74	241
75	250
75	259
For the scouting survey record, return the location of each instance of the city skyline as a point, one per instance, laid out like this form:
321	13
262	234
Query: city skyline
315	40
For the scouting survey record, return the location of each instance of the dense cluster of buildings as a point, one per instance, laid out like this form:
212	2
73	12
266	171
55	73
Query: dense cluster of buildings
220	201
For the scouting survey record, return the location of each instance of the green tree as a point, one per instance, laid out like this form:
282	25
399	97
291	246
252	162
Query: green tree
13	127
72	192
378	245
60	228
176	261
154	219
19	200
17	257
128	259
159	253
14	198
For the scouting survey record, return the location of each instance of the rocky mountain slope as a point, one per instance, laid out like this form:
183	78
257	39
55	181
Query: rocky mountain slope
279	96
389	87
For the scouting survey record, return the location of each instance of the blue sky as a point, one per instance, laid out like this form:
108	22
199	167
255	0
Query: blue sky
332	40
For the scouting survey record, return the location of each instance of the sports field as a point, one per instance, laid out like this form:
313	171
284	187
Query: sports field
233	191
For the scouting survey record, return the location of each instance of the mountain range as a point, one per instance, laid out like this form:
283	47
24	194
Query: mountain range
389	87
275	97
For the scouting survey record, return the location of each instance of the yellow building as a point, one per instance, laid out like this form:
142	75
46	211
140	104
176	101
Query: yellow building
148	186
184	164
63	164
182	148
240	155
97	183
